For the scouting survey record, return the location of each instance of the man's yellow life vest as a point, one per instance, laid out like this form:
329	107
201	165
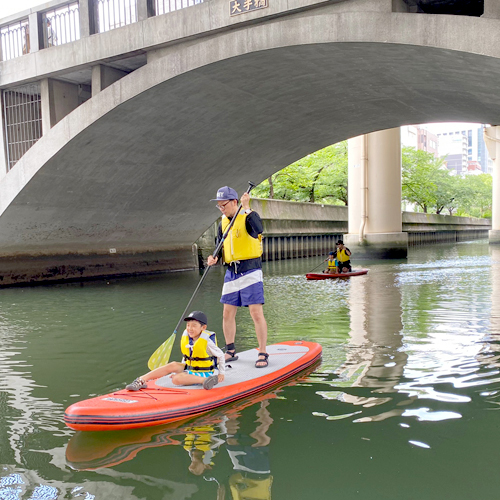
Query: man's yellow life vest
342	256
239	245
196	356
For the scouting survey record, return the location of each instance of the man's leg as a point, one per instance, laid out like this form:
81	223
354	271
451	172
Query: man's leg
257	313
229	325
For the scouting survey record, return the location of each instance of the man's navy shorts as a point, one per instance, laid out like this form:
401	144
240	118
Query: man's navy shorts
243	289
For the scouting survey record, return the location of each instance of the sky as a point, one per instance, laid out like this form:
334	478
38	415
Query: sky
9	7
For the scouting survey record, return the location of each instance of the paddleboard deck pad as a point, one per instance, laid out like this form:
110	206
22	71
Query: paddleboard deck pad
162	401
326	276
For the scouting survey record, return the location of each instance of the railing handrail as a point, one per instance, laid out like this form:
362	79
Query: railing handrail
53	4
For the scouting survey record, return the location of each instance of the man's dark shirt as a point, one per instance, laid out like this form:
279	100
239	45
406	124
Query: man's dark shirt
254	227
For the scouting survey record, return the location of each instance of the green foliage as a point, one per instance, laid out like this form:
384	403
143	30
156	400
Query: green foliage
420	169
432	187
320	177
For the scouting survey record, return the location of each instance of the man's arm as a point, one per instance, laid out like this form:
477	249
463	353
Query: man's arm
213	260
254	224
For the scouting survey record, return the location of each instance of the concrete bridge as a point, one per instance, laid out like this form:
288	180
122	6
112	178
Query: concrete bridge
130	131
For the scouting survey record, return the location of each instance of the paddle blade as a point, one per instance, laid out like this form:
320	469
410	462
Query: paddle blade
161	356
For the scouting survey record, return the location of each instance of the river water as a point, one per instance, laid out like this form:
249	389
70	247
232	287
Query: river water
403	405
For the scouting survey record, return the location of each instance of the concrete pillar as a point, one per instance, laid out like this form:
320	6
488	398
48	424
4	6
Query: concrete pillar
34	32
85	8
58	100
495	288
145	9
375	218
104	76
491	9
492	140
400	6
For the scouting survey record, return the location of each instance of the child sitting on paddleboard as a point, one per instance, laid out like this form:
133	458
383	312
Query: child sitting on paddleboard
332	264
198	363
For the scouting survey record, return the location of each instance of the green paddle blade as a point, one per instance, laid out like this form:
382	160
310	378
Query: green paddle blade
161	356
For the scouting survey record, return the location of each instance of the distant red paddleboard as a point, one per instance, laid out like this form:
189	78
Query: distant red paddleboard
327	276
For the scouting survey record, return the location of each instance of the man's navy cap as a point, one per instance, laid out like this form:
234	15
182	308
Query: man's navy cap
226	193
198	316
340	242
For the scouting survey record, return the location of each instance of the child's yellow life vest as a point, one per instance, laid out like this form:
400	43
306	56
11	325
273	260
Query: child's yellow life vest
196	356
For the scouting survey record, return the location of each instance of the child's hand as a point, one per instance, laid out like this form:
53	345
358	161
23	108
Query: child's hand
221	377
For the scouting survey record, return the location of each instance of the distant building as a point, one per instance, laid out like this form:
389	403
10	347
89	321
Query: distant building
427	141
474	168
409	136
453	147
476	148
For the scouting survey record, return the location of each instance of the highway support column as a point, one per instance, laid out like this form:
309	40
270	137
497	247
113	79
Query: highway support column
374	191
492	140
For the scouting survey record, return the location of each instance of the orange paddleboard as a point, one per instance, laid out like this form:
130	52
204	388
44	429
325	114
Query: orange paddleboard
162	402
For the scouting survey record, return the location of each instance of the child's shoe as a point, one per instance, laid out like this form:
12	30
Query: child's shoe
136	385
210	382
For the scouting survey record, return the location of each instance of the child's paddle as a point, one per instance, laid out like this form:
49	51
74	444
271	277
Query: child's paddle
161	356
320	264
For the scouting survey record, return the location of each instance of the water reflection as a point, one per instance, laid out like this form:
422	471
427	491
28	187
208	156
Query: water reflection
236	435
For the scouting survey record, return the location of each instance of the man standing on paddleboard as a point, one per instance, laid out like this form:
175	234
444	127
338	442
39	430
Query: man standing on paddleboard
243	282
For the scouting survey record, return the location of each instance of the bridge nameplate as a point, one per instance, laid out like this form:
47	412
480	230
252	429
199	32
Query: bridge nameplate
237	7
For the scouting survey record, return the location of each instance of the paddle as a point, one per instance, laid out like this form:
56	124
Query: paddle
320	264
161	356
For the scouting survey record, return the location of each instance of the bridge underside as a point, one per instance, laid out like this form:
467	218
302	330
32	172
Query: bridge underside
140	178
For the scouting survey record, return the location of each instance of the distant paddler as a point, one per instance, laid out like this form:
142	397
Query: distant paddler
343	258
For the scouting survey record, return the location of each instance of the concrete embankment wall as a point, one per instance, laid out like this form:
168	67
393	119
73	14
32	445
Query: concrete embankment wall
293	230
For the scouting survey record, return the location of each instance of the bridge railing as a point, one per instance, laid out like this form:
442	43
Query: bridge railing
14	39
166	6
61	25
66	21
113	14
22	109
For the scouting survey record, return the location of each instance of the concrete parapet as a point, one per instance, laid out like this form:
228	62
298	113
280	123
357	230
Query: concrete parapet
29	270
378	246
420	222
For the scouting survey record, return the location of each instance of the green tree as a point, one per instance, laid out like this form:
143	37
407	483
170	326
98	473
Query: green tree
477	196
320	177
420	169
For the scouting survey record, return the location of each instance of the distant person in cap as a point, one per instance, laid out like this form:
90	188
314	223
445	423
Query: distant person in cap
243	282
200	357
343	258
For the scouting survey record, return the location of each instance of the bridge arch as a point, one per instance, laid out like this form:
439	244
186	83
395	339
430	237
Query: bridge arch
134	167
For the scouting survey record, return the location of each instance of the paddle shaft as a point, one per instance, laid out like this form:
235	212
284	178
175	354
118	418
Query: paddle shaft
216	251
322	262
